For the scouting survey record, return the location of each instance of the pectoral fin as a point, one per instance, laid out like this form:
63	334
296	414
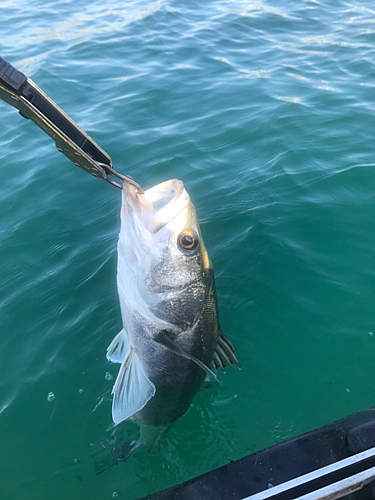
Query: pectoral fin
132	389
163	339
225	353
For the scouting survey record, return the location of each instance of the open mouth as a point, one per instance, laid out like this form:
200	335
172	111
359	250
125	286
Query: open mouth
158	197
159	204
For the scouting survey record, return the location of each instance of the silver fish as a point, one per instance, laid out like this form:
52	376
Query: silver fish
171	336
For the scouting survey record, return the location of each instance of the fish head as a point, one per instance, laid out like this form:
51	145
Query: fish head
164	261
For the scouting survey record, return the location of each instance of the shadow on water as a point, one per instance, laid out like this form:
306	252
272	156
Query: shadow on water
119	454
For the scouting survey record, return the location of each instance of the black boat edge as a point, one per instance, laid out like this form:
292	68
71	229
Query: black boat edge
347	443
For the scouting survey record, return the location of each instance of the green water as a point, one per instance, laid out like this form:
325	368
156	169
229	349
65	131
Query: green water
266	111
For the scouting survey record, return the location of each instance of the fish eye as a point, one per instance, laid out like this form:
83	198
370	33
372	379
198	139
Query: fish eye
188	240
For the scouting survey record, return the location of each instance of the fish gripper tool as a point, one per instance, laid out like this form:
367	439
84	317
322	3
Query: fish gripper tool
32	103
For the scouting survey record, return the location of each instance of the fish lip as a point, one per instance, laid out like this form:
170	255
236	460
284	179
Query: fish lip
165	214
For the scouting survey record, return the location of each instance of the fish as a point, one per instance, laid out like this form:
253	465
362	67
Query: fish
171	337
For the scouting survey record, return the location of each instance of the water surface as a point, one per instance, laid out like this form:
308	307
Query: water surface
266	111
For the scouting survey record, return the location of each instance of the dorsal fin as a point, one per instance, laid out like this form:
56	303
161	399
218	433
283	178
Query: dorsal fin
225	353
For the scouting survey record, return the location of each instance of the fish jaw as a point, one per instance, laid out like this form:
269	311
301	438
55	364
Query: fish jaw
147	221
157	206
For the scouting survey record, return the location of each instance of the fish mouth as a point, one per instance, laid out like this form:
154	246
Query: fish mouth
157	206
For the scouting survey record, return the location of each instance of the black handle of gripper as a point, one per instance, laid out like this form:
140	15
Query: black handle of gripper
11	77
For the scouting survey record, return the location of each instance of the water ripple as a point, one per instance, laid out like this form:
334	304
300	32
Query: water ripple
266	113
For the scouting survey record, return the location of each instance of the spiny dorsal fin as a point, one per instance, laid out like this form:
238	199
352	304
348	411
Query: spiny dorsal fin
225	353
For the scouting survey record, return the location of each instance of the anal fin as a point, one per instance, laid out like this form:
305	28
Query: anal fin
132	389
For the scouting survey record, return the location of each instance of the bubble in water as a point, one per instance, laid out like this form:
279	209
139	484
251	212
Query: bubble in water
81	391
108	376
75	460
115	494
371	334
235	396
50	397
348	390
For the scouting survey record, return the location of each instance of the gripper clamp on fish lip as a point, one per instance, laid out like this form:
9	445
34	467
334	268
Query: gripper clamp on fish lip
22	93
124	178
